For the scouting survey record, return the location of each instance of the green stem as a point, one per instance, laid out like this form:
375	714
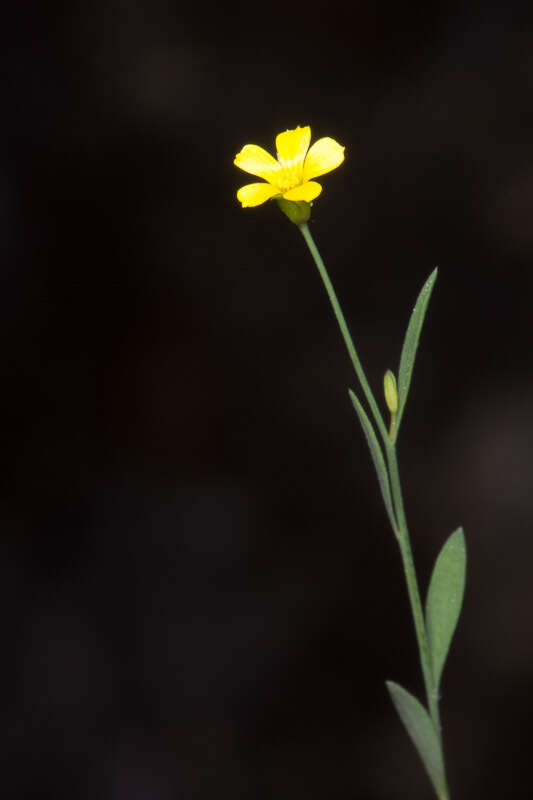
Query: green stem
352	352
402	532
412	583
414	597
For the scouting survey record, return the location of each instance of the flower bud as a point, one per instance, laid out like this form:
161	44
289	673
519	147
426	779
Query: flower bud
297	212
391	391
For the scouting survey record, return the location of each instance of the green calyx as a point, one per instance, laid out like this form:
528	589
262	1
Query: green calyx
297	212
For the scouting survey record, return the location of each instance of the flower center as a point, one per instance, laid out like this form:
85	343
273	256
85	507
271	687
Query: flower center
290	175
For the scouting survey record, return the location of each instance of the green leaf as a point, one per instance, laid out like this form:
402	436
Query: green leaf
377	458
410	344
444	599
420	728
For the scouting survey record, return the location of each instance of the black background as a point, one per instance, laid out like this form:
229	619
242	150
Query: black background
201	596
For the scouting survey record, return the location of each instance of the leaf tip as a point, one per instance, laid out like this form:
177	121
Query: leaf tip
433	277
394	689
458	538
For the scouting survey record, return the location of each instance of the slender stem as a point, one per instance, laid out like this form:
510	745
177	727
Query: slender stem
393	427
401	532
352	352
414	597
410	574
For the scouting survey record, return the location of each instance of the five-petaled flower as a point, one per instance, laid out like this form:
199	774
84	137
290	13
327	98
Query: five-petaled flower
291	174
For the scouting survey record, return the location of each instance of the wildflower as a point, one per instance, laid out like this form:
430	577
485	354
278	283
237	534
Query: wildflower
290	175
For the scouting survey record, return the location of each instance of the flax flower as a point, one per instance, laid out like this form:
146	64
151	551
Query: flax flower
290	175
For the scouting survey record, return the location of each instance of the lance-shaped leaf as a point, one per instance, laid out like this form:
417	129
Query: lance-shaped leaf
444	599
410	344
420	728
377	458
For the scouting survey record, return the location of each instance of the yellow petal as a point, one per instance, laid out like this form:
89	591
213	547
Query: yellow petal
256	161
323	156
253	194
292	145
307	191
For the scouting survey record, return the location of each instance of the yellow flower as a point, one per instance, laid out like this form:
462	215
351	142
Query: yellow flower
290	176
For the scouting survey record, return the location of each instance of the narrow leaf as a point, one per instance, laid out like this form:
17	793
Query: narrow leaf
377	458
444	599
410	344
420	728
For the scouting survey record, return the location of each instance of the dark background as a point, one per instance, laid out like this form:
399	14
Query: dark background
201	597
